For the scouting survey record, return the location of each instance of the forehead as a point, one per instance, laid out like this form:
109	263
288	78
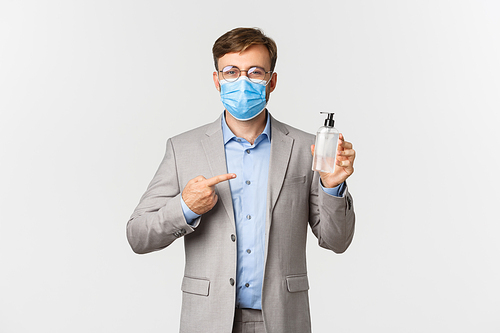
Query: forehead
255	55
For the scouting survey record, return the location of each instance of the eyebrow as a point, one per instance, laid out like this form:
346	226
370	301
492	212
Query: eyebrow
263	67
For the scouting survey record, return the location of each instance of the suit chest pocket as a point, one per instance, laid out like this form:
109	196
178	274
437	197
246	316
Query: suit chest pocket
195	286
297	283
294	180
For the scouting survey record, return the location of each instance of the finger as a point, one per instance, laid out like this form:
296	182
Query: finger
214	200
312	149
343	145
347	152
341	139
344	163
341	142
346	145
220	178
196	179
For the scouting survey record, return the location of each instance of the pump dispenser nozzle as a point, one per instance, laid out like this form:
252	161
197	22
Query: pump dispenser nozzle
329	122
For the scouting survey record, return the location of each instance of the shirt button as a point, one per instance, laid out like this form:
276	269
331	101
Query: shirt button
233	237
249	251
231	281
247	285
239	140
248	151
249	217
248	182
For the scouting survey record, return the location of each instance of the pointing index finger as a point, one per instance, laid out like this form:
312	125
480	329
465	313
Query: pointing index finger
220	178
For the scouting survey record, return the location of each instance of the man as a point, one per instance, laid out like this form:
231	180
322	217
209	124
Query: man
241	192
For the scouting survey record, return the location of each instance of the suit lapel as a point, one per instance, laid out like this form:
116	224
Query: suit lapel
281	149
213	144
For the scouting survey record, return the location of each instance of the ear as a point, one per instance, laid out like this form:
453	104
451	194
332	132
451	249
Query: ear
274	81
216	81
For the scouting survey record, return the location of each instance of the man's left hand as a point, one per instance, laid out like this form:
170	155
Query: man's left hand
344	165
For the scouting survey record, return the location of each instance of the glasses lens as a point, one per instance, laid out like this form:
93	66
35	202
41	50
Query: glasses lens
231	73
256	74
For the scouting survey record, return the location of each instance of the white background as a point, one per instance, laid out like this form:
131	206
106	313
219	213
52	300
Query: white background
91	90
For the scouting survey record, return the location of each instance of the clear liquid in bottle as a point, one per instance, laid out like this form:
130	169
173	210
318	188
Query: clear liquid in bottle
325	151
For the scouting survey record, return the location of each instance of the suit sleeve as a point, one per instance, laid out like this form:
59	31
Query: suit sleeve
331	218
158	220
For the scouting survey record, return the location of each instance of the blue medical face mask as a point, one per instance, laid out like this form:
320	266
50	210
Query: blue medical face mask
243	99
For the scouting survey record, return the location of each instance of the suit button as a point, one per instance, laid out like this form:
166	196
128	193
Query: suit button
233	238
183	231
231	281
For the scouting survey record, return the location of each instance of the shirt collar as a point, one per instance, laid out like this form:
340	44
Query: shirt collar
228	134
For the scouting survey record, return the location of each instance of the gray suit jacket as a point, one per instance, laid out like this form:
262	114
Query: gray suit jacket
294	199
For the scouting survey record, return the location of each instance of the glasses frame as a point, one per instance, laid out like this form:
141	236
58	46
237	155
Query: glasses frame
246	70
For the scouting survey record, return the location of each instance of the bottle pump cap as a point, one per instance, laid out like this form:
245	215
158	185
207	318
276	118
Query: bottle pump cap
329	122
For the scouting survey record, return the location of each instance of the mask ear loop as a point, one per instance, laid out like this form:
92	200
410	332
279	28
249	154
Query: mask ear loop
269	79
218	81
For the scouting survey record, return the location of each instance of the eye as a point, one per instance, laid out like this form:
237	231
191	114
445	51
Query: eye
255	71
230	71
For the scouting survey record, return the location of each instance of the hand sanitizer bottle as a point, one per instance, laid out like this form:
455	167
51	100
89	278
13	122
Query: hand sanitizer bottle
325	151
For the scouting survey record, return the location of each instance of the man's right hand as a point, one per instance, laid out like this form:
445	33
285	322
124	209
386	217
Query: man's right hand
199	194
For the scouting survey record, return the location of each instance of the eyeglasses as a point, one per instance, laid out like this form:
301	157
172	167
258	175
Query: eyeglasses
255	74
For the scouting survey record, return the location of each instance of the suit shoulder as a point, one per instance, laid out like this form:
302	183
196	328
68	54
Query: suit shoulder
194	134
296	133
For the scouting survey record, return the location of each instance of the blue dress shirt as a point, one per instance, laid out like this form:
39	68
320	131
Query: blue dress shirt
249	192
